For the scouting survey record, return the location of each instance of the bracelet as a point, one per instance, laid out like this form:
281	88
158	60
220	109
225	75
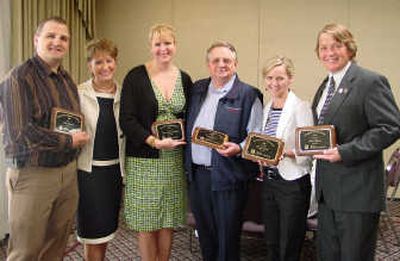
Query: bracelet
152	142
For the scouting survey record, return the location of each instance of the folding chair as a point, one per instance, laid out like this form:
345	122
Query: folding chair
392	181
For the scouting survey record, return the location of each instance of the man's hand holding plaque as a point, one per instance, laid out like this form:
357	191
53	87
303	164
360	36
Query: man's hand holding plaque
312	140
260	147
209	138
71	123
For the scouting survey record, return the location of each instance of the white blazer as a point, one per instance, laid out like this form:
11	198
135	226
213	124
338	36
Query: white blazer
90	109
295	113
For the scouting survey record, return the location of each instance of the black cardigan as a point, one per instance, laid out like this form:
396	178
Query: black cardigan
139	109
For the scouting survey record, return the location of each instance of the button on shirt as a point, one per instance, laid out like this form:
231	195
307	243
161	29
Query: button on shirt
338	77
201	155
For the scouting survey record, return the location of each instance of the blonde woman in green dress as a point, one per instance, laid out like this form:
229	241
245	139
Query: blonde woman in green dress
155	192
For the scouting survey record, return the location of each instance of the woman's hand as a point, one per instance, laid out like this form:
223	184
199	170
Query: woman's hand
289	154
167	143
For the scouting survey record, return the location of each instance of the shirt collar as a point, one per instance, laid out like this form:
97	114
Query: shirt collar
225	89
338	76
44	69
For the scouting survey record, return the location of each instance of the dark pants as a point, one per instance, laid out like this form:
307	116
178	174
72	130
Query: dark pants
285	206
346	236
218	216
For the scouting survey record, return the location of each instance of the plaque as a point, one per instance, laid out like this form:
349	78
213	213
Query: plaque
263	147
210	138
65	121
313	140
169	129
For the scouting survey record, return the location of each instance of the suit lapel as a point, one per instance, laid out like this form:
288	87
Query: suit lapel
316	99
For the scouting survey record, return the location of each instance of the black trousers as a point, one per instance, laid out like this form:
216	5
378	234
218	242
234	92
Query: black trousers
346	236
285	205
218	216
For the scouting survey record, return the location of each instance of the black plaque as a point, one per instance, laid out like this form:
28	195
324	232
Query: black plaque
313	140
169	129
263	147
210	138
65	121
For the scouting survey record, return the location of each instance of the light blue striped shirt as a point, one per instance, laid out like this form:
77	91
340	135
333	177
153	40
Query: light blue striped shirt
201	155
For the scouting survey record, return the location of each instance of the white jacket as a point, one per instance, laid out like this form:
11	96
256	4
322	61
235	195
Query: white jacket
90	109
295	113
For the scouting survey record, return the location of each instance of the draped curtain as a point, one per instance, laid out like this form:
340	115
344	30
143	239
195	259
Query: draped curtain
80	17
5	27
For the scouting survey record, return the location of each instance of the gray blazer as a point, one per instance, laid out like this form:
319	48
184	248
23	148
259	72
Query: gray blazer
367	121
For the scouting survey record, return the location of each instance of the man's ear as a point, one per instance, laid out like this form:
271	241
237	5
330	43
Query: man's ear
35	40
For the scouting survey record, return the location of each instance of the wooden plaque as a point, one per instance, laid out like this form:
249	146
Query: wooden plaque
313	140
65	121
210	138
169	129
263	147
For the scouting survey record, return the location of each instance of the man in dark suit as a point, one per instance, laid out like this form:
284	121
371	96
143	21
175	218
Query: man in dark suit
218	177
350	177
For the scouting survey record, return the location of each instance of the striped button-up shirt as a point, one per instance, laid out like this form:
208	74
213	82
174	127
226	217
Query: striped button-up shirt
27	96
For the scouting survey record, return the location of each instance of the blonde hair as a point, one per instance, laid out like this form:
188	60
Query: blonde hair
341	34
276	61
162	30
102	45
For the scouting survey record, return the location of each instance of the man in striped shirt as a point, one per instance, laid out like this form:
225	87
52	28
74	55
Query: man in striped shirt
41	174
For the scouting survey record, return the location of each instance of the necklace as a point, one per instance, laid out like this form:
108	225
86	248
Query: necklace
109	88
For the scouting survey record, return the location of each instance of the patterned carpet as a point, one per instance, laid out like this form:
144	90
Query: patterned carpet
124	246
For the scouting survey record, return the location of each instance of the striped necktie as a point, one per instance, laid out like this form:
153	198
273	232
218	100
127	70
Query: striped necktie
329	96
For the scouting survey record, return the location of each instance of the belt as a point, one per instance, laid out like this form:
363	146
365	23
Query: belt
272	173
201	167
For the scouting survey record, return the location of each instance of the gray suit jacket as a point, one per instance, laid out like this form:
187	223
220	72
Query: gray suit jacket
367	120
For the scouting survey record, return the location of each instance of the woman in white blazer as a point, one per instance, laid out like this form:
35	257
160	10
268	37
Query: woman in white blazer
286	187
100	164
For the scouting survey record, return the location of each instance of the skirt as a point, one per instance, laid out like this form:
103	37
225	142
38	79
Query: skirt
99	204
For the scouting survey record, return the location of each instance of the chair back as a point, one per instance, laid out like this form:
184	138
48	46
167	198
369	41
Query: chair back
393	169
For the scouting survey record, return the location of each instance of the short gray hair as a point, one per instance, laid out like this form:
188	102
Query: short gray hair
222	44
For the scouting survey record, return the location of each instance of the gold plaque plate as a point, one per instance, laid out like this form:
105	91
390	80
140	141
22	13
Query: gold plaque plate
313	140
210	138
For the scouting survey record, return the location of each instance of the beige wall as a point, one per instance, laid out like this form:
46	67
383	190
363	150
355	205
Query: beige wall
258	29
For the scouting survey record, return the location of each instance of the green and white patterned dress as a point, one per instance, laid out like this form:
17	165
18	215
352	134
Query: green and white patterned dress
155	191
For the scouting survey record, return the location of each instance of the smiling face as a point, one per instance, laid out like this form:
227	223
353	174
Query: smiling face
52	43
163	48
221	64
102	66
333	54
277	82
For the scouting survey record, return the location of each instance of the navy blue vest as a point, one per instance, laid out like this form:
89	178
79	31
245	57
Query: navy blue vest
232	118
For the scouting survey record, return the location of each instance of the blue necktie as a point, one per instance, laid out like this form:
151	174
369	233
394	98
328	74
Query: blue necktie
329	96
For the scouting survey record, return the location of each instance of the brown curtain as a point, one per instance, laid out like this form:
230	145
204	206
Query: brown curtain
80	16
